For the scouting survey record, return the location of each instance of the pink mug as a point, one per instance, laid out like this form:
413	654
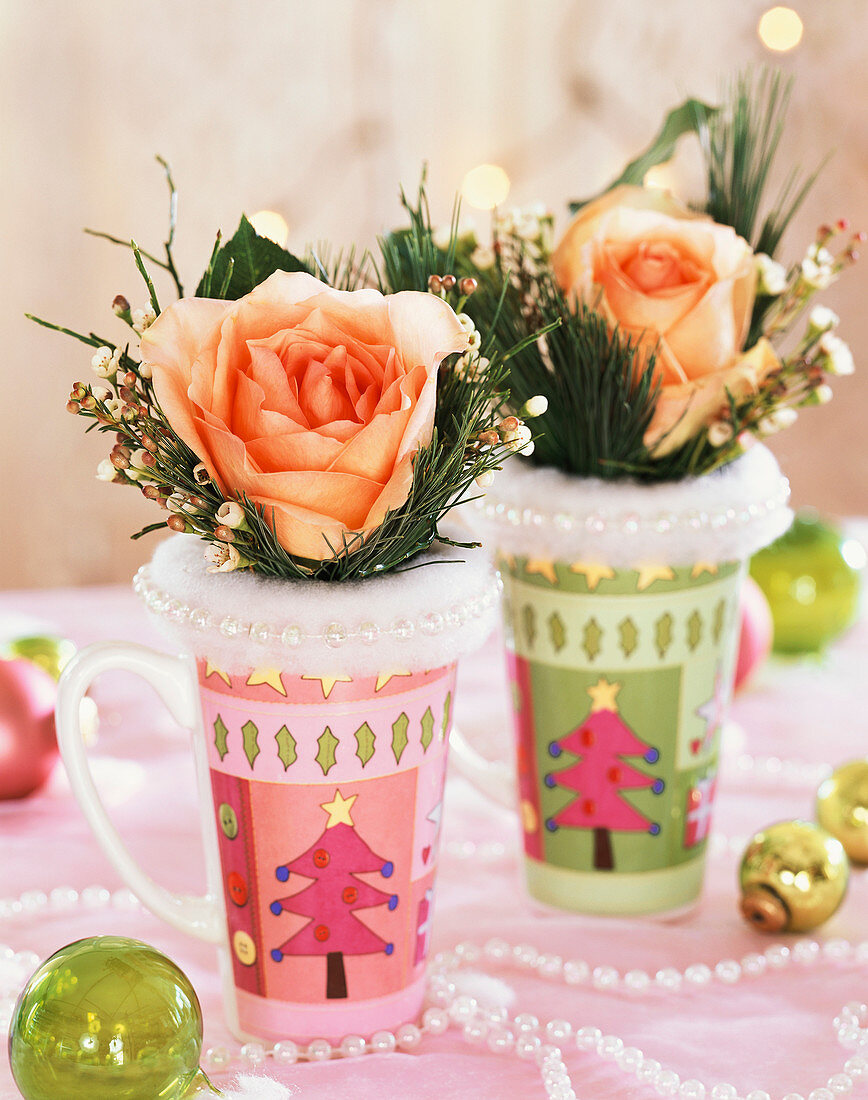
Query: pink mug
320	717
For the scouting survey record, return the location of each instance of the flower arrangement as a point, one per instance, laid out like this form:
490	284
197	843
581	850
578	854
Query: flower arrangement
302	423
665	324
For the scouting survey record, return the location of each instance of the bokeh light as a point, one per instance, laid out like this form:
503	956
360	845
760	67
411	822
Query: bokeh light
661	175
780	29
485	186
268	223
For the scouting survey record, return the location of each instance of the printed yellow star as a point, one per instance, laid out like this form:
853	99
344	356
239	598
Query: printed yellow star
529	819
506	560
593	572
603	695
328	682
703	567
648	574
544	567
270	676
385	677
213	670
339	809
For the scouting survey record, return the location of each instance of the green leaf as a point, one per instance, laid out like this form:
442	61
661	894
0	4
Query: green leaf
399	736
220	737
688	118
557	631
243	263
447	714
663	634
286	747
250	733
427	729
326	756
365	740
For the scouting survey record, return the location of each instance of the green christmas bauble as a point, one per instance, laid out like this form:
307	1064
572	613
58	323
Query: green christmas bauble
810	577
106	1017
49	653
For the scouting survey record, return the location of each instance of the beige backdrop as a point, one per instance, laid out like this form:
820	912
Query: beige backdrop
319	110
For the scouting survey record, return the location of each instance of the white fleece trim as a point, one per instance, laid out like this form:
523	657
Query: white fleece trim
414	620
726	515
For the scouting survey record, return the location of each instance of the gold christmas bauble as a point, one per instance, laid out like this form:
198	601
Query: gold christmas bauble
793	877
842	807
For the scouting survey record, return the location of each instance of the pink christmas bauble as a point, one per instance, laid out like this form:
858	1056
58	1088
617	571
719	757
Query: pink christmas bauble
28	743
755	638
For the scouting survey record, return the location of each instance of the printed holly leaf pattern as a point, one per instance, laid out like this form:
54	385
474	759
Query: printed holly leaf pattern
250	735
719	620
365	741
592	640
663	634
399	736
326	755
528	616
629	636
557	631
221	734
694	630
427	729
286	747
447	711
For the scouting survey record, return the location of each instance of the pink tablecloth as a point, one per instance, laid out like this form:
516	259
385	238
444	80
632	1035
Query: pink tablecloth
771	1032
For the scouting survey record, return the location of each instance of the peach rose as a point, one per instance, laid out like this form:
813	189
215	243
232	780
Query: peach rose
674	281
310	400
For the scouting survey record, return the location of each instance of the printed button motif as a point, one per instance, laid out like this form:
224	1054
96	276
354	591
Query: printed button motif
321	933
321	858
228	820
244	948
237	887
350	895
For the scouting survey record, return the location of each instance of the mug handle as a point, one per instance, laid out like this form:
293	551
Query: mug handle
170	677
494	778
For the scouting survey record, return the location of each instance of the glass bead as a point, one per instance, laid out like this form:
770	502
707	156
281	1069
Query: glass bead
648	1070
857	1066
821	1094
496	949
728	971
125	900
758	1094
630	523
609	1047
286	1052
174	610
291	636
229	627
33	900
435	1020
794	1096
95	897
432	623
463	1008
558	1031
629	1059
500	1040
320	1050
754	964
217	1057
352	1046
840	1083
836	949
526	1022
408	1036
724	1091
778	955
200	618
550	966
576	971
692	1089
604	977
254	1053
260	632
698	974
527	1045
588	1037
335	635
369	633
637	980
525	954
497	1015
668	978
667	1083
468	952
475	1031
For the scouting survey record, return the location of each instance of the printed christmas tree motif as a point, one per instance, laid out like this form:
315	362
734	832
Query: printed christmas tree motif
250	735
221	733
557	631
600	773
697	816
528	621
335	893
365	743
592	639
712	713
628	636
663	634
423	927
326	755
286	747
399	736
694	630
